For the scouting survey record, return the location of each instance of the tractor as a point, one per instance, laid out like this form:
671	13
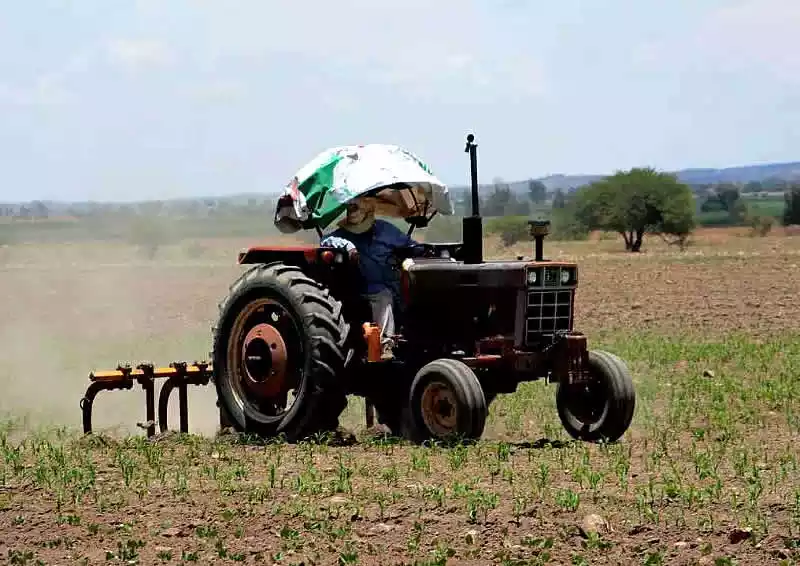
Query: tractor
294	336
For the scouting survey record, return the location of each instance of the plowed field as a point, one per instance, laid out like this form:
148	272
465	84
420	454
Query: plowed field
708	473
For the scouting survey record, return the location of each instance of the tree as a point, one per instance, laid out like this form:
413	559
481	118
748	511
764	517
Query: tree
503	201
497	201
537	192
39	209
791	211
635	202
731	201
559	200
725	197
752	187
463	204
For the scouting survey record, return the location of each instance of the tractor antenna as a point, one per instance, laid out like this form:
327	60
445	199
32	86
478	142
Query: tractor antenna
472	226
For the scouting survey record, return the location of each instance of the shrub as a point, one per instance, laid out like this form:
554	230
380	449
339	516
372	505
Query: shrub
761	224
511	229
442	229
564	226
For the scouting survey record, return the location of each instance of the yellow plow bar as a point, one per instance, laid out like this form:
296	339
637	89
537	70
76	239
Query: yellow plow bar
178	376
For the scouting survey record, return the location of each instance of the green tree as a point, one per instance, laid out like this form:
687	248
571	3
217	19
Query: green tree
791	211
752	187
498	199
635	202
559	200
503	201
537	192
730	198
728	195
726	198
463	204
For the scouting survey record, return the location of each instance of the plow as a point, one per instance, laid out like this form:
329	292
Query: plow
178	375
298	331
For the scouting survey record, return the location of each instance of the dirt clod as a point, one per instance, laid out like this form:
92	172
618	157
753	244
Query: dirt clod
738	535
593	524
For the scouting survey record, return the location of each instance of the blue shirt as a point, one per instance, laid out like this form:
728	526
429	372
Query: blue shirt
375	248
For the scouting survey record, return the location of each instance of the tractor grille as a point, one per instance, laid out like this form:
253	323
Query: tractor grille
548	311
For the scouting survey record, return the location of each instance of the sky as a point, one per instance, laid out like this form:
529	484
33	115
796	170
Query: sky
120	100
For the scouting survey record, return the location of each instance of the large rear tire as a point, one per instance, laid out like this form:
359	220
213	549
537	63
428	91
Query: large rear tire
446	402
602	410
279	332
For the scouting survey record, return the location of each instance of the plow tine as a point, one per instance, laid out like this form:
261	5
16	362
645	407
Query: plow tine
146	380
94	388
180	378
178	375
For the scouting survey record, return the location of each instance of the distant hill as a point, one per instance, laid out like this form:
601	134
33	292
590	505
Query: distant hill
744	174
697	177
740	174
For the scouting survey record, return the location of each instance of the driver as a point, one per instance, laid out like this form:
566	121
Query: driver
374	240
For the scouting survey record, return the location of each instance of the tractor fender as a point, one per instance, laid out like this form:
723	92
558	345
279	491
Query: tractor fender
298	256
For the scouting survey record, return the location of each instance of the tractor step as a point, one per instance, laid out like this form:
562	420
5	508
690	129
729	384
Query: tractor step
178	376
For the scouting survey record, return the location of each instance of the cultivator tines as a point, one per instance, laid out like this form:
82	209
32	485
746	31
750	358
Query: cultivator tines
178	375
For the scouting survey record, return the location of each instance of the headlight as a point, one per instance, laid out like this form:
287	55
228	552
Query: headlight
531	277
565	276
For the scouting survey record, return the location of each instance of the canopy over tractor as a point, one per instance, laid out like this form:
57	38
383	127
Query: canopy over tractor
396	181
294	336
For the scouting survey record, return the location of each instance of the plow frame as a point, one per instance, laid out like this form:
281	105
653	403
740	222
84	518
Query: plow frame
178	375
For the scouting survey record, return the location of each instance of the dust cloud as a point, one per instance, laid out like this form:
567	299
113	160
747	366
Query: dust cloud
66	310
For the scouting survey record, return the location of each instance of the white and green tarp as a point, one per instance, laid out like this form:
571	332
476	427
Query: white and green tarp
320	190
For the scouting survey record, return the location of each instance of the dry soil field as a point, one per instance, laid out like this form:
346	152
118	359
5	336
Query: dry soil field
709	473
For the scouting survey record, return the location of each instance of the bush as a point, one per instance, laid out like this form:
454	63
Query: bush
511	229
791	212
564	226
442	229
761	224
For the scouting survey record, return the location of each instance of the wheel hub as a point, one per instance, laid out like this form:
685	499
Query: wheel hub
439	409
265	360
587	401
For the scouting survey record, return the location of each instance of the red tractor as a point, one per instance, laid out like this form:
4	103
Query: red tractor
294	337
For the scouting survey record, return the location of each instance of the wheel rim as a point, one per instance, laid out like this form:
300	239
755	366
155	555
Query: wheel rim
587	403
439	409
265	359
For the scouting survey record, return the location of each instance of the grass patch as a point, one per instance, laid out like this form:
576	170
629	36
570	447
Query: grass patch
711	458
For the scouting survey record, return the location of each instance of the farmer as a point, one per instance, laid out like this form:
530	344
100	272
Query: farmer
373	240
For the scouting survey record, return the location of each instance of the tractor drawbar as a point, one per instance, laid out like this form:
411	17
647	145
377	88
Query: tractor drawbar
178	375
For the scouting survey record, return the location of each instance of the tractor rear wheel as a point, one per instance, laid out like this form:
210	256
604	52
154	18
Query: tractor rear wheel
280	333
602	409
446	402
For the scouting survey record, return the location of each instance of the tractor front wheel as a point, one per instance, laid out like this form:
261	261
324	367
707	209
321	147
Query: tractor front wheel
279	352
602	409
446	402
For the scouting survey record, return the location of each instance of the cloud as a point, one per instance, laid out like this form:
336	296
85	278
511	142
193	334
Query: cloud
58	85
139	53
755	34
219	91
49	88
421	48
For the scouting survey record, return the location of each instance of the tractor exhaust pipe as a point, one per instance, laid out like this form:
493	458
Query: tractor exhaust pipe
472	226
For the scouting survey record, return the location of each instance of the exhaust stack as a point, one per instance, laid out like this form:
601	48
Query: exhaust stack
472	226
